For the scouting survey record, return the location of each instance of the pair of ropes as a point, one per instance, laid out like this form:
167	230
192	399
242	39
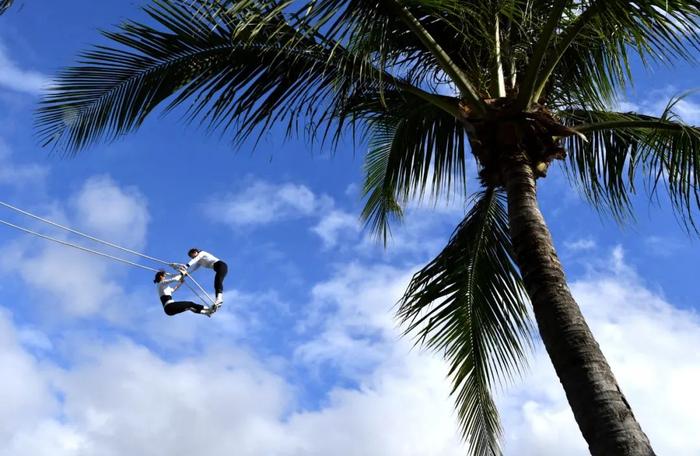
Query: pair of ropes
95	252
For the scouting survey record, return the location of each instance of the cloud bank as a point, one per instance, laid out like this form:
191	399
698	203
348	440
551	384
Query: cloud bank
15	78
235	400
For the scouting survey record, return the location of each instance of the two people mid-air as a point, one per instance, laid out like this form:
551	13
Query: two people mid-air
164	285
198	258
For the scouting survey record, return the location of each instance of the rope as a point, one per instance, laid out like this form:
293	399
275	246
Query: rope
92	238
78	247
200	287
195	292
192	289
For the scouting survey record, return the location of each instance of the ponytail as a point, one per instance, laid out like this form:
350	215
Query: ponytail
159	276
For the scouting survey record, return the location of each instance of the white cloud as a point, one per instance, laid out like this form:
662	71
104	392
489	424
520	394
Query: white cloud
297	197
352	190
19	175
242	314
352	317
627	106
688	110
227	402
646	341
662	246
423	234
47	437
401	410
15	78
385	398
26	395
78	284
262	203
221	401
655	102
580	245
108	211
333	225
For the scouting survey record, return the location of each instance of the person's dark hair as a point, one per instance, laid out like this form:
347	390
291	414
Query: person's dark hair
159	276
193	251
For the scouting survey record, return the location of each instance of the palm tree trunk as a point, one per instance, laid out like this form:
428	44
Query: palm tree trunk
601	410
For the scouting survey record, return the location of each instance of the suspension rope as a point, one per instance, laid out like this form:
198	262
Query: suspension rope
195	292
95	252
85	249
202	289
192	289
92	238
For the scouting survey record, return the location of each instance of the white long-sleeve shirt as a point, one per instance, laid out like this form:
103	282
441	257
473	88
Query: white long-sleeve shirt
204	259
165	287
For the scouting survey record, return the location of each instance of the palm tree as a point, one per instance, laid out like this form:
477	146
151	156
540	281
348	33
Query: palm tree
5	5
519	83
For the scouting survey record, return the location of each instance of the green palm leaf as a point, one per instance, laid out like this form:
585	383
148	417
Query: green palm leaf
413	145
5	5
246	68
469	303
381	29
621	146
380	181
590	54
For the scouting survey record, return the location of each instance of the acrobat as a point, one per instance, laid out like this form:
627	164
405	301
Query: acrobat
170	306
207	260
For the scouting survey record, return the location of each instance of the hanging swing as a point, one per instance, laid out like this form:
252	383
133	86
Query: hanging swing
102	254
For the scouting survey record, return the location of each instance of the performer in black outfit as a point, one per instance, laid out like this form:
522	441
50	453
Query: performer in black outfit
207	260
170	306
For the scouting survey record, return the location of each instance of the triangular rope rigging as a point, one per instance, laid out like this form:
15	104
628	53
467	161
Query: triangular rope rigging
85	249
95	252
92	238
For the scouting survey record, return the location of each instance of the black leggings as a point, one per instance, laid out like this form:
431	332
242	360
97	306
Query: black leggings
221	270
176	307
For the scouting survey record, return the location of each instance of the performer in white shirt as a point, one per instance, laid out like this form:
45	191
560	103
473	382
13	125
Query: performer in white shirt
207	260
165	292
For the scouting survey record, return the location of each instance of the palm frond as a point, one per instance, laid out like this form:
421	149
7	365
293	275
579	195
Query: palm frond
467	89
593	47
625	147
247	67
380	187
469	303
529	82
413	145
395	32
5	5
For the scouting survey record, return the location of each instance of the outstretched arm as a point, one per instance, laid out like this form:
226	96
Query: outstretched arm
176	278
193	264
172	279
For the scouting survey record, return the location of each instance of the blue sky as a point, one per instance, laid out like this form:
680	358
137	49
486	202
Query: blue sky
305	357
